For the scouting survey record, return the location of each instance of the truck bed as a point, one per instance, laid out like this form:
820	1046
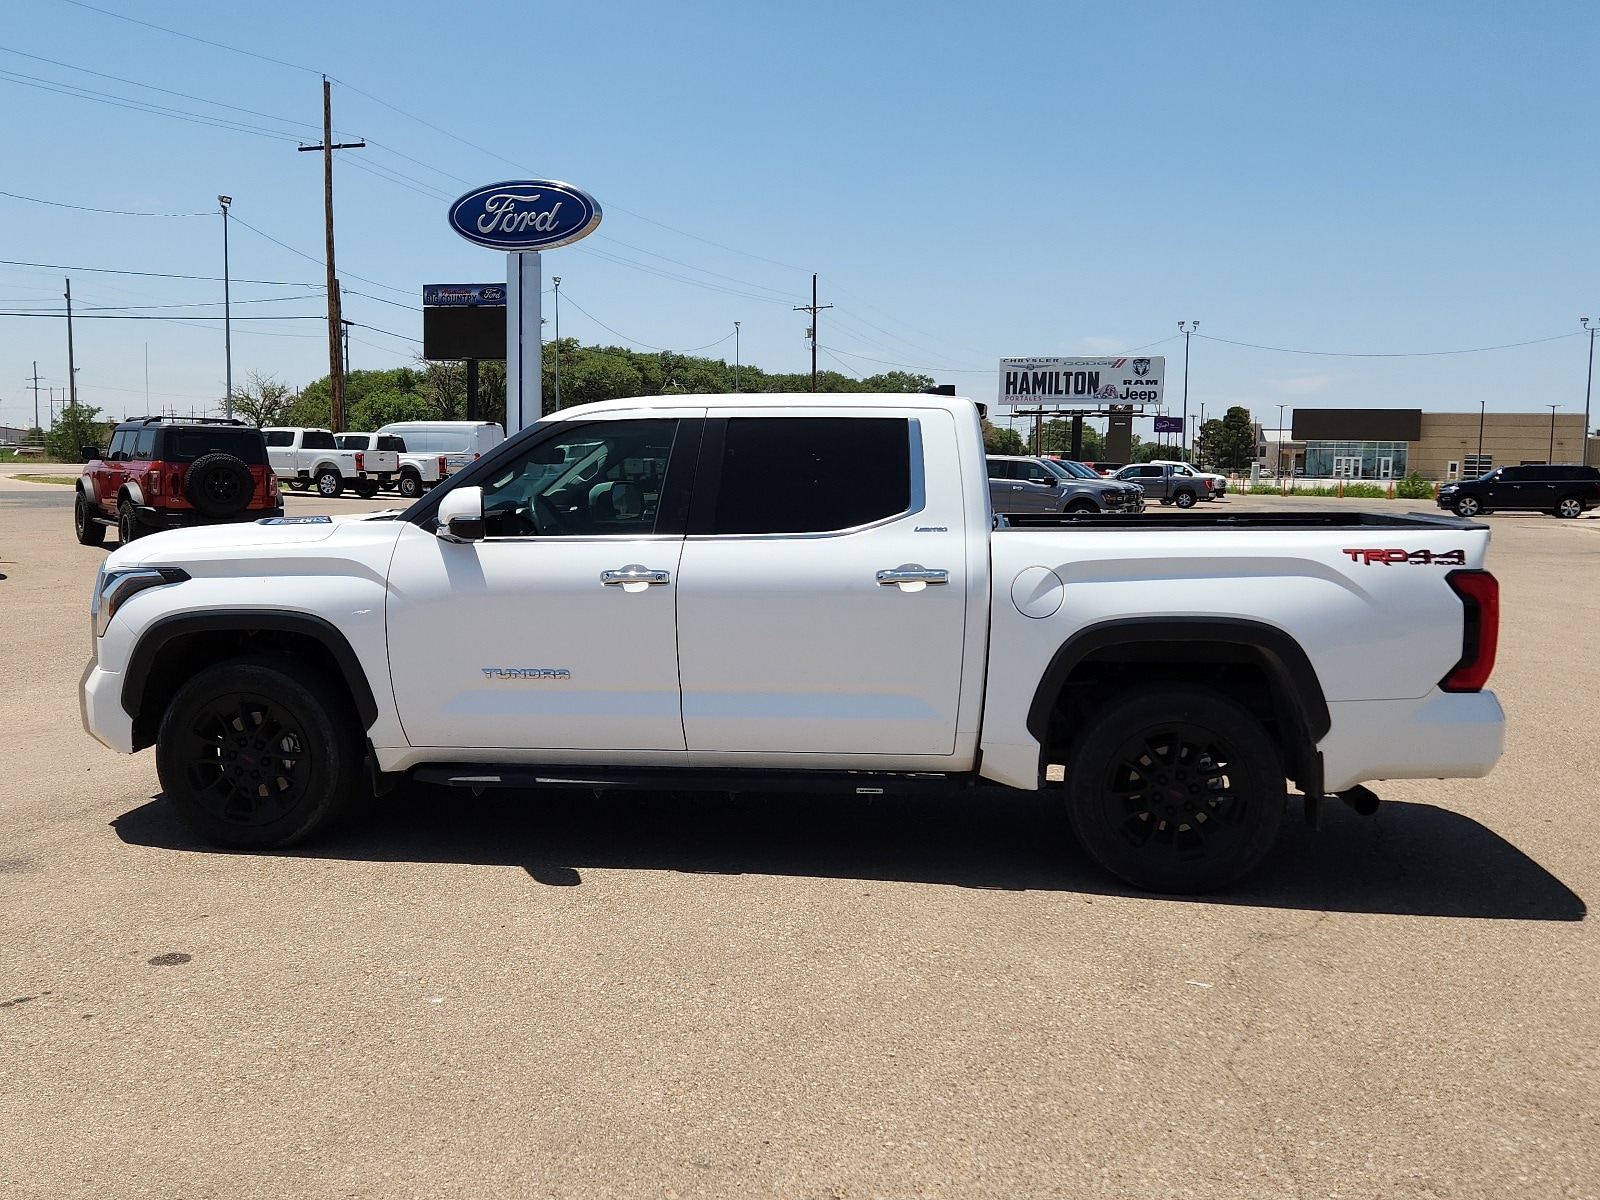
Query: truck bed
1246	520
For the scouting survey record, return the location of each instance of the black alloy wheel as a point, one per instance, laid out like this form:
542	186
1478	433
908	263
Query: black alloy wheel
127	523
1184	499
1468	506
410	485
258	753
1175	788
219	485
1569	507
88	530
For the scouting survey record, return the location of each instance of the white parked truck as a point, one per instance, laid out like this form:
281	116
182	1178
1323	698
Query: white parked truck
305	458
788	592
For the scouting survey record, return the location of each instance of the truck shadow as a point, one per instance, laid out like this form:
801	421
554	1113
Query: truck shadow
1411	859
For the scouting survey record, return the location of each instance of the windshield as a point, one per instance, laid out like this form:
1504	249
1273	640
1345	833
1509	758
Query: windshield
188	444
1076	469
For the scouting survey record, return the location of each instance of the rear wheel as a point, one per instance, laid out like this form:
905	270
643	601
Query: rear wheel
1184	499
329	483
1569	507
90	532
410	485
257	753
366	488
1468	506
299	485
1175	788
127	523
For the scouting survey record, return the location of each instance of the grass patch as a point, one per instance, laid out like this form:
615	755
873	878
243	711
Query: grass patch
1352	491
69	480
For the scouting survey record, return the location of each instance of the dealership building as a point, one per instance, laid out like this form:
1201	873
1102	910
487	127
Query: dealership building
1388	443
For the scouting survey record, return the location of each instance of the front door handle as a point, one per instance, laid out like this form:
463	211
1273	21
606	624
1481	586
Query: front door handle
634	578
913	577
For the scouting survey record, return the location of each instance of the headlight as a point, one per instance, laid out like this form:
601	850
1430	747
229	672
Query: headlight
113	589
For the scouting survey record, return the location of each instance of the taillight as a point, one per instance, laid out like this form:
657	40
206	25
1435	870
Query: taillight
153	482
361	462
1480	635
444	466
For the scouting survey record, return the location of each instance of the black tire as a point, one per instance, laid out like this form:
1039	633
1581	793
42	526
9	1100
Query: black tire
1468	506
127	523
219	485
410	485
330	484
365	488
1569	507
1175	788
299	485
1082	506
259	753
88	530
1184	499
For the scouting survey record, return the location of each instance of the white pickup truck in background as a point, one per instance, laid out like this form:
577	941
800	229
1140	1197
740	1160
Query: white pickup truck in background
791	592
305	458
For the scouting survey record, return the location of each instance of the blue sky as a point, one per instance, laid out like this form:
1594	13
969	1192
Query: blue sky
970	181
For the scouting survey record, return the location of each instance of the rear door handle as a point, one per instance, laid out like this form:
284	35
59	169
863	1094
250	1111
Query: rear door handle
634	578
913	573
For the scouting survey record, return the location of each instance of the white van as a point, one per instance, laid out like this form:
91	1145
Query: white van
450	444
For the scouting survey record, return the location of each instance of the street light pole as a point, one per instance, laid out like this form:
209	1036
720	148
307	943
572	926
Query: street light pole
1483	407
227	309
1588	389
736	356
1552	408
1186	328
556	279
1277	467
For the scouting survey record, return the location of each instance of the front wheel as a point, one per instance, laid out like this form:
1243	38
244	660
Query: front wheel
88	530
1569	507
258	753
1082	506
1184	499
410	485
1175	788
1468	506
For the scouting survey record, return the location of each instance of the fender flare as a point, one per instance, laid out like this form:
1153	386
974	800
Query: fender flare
131	491
1296	690
88	491
159	633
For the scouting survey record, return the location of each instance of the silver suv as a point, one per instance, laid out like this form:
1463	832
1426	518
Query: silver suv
1021	485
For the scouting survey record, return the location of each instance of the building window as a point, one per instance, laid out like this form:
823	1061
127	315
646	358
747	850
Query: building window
1478	464
1356	460
1452	470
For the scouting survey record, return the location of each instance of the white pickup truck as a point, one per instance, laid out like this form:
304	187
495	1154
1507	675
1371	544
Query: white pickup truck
305	458
799	592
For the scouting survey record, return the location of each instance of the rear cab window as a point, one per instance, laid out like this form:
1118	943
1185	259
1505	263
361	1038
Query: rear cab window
185	444
318	439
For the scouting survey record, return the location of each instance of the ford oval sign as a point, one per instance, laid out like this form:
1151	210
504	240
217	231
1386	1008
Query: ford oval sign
525	214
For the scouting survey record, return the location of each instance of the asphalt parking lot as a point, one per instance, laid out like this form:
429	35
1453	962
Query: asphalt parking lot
683	995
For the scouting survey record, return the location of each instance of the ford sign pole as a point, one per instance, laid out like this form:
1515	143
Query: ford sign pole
523	339
524	217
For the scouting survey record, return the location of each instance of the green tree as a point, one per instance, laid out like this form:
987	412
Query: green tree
76	426
1001	440
1233	445
1057	439
262	400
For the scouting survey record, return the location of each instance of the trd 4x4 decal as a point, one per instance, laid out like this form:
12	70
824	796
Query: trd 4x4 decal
1437	558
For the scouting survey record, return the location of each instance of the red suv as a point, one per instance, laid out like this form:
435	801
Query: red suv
163	472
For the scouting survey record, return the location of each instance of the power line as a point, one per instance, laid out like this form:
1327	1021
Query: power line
12	262
82	93
115	212
285	245
106	12
1395	354
920	368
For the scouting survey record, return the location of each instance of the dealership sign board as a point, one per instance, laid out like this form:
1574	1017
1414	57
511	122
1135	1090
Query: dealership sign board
525	214
464	295
1081	382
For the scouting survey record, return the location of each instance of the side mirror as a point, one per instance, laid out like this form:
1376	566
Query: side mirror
89	453
461	515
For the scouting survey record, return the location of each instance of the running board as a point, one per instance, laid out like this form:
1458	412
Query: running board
662	779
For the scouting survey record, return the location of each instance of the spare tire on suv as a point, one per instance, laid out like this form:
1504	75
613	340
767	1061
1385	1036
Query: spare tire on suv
219	485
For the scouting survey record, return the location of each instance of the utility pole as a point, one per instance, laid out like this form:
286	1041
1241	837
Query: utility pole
556	279
36	424
227	314
72	370
335	312
1588	390
736	356
1552	456
1186	328
1483	408
813	308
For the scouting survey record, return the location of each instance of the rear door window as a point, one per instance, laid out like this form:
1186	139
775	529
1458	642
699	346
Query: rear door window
811	474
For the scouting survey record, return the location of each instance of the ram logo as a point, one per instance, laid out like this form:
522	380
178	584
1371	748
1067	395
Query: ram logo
539	674
1141	367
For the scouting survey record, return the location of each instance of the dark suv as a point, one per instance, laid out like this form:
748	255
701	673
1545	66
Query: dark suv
162	472
1563	490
